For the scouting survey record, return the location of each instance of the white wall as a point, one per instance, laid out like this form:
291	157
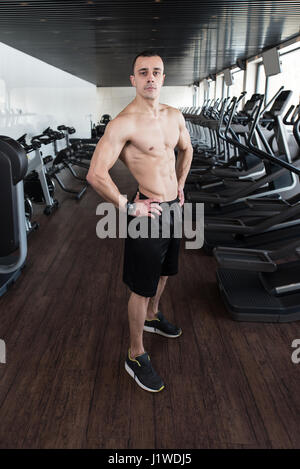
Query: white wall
35	95
113	100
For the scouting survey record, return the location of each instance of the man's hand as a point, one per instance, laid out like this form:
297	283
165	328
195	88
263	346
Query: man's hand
146	207
181	196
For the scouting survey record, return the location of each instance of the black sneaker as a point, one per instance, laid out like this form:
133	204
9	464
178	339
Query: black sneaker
161	326
140	369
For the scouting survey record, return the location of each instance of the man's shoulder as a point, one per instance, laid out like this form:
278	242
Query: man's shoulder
174	113
171	110
123	120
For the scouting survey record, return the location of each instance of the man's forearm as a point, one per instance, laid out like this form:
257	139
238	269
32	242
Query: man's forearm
183	165
105	187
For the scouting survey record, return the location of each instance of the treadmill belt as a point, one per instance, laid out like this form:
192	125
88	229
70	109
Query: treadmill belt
247	300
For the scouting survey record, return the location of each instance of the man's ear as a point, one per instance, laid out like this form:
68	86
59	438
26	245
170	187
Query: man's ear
164	76
132	80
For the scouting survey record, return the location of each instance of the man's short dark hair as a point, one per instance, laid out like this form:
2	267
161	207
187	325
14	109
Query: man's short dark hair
145	53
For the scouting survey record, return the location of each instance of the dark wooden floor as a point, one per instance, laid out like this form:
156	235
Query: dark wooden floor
228	384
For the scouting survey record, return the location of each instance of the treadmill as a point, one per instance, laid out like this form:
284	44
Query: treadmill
233	191
260	285
242	164
248	230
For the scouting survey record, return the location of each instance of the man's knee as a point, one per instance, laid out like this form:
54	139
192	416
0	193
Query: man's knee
139	298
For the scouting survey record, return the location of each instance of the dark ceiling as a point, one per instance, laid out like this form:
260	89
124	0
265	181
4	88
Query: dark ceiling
96	40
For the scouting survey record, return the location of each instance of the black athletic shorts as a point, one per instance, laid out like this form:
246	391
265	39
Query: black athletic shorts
146	259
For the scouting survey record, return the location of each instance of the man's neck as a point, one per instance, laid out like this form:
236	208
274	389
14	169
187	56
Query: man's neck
149	106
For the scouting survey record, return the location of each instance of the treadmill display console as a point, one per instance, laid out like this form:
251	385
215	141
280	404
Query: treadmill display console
280	102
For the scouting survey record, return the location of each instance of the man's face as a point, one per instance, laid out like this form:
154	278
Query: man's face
148	76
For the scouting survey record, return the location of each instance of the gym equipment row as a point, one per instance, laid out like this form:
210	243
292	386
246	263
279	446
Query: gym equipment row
246	171
27	177
44	171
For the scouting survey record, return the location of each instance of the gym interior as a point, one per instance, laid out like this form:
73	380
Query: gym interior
232	378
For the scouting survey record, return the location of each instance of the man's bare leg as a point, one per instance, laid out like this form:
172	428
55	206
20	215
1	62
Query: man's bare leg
154	301
137	310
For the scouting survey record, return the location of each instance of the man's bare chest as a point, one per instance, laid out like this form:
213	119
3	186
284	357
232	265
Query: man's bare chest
154	138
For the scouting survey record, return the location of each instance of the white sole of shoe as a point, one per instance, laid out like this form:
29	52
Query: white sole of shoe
157	331
131	373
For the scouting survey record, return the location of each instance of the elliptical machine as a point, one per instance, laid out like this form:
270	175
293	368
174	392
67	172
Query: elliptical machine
13	167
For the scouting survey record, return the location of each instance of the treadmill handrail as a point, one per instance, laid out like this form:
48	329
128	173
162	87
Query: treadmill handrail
271	256
260	153
248	188
278	218
296	130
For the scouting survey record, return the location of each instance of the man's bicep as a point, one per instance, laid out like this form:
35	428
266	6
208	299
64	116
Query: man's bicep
107	151
184	140
106	154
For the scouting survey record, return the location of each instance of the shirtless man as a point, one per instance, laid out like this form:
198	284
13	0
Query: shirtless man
144	136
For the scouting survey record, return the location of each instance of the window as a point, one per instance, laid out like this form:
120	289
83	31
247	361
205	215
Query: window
256	80
211	89
260	79
220	86
201	93
289	78
2	93
238	85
